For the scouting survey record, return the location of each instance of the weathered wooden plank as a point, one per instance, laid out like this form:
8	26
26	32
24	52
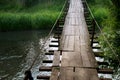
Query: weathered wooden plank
51	45
43	77
77	44
85	57
47	61
49	53
44	68
105	71
71	59
92	58
103	63
55	73
105	79
56	60
66	43
86	74
70	43
66	73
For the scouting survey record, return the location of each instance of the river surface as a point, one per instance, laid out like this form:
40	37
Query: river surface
17	52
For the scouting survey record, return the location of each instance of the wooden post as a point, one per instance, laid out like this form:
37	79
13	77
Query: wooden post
93	32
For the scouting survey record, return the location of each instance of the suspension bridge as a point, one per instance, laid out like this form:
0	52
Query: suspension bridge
75	59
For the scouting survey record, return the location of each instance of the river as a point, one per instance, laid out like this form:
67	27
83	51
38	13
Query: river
18	50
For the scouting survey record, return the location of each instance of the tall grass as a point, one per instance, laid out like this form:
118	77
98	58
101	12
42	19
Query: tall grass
40	16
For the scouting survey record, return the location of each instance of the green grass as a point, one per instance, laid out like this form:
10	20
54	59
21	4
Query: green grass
40	16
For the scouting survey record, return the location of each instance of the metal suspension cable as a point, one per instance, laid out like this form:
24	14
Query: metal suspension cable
48	35
102	33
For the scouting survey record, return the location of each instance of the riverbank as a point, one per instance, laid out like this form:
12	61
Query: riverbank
39	16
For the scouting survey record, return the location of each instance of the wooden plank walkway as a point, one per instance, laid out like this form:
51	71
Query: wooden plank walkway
75	59
78	61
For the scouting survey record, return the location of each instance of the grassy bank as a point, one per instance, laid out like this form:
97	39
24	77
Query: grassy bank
39	16
105	13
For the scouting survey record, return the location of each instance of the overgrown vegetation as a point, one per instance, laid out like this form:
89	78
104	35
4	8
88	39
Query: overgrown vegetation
28	14
107	13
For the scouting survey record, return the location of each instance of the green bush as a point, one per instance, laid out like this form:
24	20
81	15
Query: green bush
101	13
107	16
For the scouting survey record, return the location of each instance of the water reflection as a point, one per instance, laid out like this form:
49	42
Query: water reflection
17	51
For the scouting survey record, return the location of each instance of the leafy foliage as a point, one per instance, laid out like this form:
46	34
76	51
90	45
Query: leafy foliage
107	13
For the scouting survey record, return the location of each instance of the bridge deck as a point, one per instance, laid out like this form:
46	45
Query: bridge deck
78	61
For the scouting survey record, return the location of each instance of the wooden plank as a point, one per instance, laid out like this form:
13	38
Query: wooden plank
49	53
62	42
105	71
71	43
72	31
71	59
47	61
55	73
66	43
77	30
96	47
66	73
105	79
77	44
54	41
102	63
44	68
56	60
85	57
92	58
43	77
51	45
86	74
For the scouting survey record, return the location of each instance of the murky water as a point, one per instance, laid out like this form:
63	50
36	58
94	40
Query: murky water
17	51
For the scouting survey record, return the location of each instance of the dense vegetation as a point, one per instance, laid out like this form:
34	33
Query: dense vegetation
107	13
28	14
